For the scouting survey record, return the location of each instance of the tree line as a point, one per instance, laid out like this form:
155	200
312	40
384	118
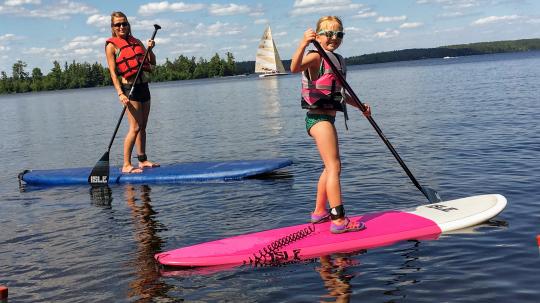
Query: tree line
81	75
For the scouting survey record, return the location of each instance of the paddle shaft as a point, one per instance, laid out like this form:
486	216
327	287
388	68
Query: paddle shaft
139	70
370	119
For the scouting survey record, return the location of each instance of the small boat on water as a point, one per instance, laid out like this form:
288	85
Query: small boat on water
267	61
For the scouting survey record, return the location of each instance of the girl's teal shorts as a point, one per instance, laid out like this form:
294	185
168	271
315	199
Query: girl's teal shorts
312	119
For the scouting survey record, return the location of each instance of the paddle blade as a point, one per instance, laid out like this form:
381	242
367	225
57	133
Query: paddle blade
100	172
431	194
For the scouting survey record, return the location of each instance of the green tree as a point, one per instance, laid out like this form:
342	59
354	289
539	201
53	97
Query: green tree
4	83
18	71
215	67
229	65
37	79
201	69
54	78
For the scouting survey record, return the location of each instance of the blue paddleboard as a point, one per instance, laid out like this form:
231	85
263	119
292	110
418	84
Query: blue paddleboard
175	173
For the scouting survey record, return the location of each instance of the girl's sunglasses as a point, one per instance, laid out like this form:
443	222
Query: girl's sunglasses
330	34
124	24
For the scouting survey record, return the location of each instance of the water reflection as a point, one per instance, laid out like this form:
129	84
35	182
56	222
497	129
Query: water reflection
403	276
336	278
101	196
270	97
336	272
146	284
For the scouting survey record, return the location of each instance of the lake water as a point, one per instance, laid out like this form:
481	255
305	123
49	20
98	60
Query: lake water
464	126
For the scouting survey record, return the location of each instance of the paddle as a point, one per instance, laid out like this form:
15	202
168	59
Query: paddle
100	172
430	194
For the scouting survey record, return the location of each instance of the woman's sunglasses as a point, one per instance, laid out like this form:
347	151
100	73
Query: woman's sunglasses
124	24
330	34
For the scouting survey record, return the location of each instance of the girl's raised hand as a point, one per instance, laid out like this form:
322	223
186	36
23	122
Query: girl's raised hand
309	35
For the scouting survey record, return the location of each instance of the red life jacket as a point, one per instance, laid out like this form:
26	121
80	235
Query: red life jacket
130	56
325	91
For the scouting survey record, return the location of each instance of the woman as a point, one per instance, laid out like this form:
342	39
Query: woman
124	55
321	96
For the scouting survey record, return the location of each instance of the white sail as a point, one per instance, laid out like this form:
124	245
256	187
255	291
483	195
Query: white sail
267	61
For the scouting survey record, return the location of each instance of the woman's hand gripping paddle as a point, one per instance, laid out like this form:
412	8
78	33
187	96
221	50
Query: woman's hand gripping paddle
100	172
430	194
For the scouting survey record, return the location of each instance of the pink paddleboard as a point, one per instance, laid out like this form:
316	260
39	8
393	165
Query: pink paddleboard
306	241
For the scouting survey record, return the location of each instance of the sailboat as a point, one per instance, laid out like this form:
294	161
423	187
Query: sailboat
267	61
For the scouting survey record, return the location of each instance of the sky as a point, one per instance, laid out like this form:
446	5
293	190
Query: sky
38	32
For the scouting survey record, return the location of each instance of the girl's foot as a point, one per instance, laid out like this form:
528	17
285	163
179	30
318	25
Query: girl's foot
131	170
320	218
347	226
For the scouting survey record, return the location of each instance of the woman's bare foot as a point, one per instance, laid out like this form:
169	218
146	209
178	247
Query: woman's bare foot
148	164
131	170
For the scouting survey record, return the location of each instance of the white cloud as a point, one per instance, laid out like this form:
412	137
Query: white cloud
411	25
261	21
63	10
162	41
164	6
387	34
365	13
232	48
452	15
533	21
304	7
307	3
391	19
496	19
99	20
21	2
188	48
228	9
83	51
36	50
279	34
456	4
216	29
7	37
82	42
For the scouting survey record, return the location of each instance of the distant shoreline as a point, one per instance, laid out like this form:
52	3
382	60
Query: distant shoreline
450	51
458	50
84	75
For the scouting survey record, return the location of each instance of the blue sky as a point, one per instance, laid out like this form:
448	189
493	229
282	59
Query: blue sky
40	31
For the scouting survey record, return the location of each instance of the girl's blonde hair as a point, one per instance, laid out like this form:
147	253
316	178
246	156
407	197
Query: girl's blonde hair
119	15
329	19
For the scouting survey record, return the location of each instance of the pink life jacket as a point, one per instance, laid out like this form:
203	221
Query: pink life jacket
326	91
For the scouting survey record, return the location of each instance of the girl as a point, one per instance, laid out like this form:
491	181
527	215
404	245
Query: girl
124	53
322	98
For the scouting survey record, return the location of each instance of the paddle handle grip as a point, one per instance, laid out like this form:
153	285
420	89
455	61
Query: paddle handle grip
363	108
